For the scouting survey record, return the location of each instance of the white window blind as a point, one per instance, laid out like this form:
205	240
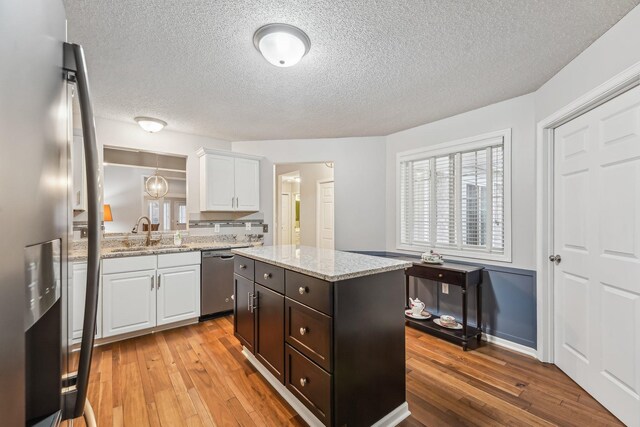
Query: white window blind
454	200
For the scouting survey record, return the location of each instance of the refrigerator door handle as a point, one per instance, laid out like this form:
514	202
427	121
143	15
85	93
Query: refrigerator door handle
75	65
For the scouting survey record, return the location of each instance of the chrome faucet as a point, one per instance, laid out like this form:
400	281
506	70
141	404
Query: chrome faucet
135	228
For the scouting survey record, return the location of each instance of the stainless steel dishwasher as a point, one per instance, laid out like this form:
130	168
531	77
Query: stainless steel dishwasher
216	284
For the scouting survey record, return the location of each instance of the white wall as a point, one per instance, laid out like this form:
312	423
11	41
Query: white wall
517	114
130	135
310	174
615	51
359	180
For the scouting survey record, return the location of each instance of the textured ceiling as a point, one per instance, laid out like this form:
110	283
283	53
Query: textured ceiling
375	66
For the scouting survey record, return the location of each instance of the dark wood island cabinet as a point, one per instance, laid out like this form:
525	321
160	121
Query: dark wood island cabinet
326	329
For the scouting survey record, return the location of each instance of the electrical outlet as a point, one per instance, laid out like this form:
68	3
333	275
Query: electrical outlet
216	228
247	226
445	288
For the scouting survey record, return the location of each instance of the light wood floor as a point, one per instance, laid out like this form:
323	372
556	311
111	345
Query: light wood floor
196	376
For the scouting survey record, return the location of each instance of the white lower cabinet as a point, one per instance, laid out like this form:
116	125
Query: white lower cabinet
178	294
129	302
78	295
148	291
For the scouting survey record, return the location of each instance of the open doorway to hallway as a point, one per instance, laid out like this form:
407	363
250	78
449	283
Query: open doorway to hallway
304	204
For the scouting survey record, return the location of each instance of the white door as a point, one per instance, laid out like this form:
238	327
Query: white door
129	302
178	296
325	215
247	184
217	183
597	235
285	219
78	291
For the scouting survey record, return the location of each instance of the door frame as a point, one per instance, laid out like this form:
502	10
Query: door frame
622	82
318	184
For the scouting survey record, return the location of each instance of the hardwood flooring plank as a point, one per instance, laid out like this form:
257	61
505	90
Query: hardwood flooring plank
196	376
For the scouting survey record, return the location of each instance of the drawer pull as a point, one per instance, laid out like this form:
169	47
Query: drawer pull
302	290
242	266
303	330
303	382
439	274
267	275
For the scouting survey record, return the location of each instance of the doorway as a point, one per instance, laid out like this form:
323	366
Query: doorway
596	252
304	204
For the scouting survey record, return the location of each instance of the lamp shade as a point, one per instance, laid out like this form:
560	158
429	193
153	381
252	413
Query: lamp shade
107	214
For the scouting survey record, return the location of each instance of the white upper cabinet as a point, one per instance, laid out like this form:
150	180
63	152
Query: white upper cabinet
229	181
247	184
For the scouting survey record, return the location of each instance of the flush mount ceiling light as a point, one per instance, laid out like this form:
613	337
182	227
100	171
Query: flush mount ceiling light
282	45
150	124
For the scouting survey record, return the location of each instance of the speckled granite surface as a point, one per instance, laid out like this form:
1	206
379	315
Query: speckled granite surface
126	245
324	264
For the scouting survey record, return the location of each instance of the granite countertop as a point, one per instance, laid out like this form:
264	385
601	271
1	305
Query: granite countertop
325	264
81	254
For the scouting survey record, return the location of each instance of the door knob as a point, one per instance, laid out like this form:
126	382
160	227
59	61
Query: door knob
303	382
555	258
303	330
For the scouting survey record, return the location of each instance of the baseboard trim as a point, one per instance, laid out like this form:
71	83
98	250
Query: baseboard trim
519	348
115	338
392	419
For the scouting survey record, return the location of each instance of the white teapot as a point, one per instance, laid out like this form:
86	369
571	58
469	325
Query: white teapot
417	306
432	257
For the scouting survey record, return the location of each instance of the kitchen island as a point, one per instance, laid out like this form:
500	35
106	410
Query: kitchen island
326	329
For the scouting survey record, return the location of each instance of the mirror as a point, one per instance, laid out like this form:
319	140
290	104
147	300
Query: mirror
125	173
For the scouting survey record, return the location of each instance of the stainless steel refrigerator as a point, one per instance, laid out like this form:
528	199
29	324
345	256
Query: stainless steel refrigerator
39	72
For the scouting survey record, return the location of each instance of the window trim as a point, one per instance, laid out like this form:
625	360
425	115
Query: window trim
457	146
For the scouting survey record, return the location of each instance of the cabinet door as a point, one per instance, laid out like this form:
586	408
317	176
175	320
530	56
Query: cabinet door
129	302
247	184
78	295
243	313
178	294
270	330
216	183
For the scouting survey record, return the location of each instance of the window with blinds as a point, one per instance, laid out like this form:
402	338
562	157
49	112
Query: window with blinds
454	199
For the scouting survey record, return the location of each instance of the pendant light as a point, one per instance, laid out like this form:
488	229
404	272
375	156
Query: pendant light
156	185
282	45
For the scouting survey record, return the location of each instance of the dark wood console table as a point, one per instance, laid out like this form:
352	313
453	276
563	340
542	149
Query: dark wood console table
461	275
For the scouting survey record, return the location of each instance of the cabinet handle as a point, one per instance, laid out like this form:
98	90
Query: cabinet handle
242	266
159	277
439	274
267	275
302	290
303	330
303	382
237	202
153	280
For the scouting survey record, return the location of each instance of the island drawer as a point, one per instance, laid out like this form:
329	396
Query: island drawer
310	291
309	383
270	276
309	332
438	275
243	267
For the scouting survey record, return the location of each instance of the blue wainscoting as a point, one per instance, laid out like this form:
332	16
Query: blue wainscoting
508	300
